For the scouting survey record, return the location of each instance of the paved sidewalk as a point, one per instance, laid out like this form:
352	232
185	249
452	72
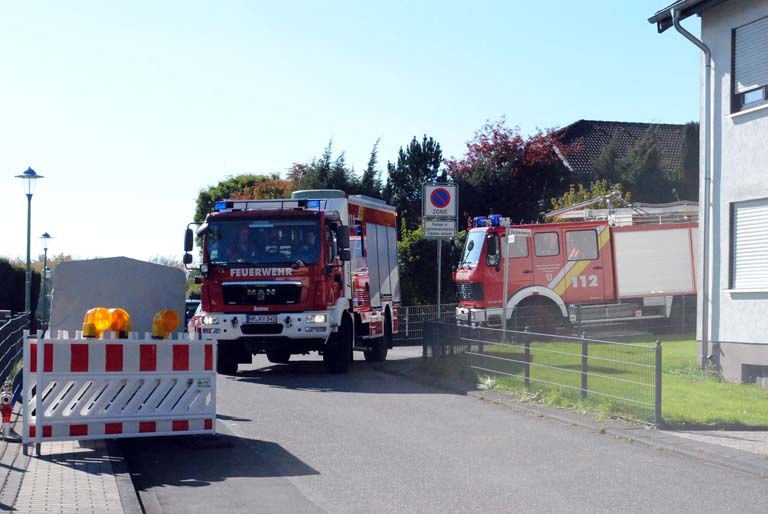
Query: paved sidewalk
69	477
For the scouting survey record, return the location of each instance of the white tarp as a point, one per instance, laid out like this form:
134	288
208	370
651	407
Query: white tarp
141	288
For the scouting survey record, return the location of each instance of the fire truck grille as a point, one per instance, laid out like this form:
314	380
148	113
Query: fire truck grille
261	328
262	293
469	290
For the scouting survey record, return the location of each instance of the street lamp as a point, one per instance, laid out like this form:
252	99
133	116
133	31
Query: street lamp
45	238
29	178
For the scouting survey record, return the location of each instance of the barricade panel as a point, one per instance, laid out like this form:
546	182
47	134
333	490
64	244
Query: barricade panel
109	388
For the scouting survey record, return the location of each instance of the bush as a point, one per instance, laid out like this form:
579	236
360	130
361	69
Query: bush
12	284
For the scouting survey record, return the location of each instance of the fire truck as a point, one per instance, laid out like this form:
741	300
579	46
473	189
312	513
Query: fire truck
593	267
313	273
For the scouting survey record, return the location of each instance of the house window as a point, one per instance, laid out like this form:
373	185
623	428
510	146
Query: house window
546	244
750	65
749	245
581	245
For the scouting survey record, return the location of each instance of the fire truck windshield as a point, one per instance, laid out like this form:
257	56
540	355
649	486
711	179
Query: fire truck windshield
263	241
472	249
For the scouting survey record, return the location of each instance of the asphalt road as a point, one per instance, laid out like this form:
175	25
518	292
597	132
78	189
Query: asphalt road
297	440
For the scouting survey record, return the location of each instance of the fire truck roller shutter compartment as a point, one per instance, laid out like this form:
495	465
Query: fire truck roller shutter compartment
642	269
373	264
381	244
394	275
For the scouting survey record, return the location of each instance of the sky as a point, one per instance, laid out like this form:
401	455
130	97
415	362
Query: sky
129	109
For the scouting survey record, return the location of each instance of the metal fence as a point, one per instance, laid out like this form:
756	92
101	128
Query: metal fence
11	338
412	318
622	378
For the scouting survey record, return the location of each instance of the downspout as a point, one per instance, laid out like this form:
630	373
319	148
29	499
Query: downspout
707	128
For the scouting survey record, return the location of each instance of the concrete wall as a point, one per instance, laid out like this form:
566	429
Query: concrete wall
740	160
141	288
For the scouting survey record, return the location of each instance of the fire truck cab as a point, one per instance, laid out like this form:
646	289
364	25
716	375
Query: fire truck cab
316	272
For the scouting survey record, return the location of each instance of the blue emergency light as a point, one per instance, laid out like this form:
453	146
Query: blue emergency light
495	220
313	204
480	221
220	206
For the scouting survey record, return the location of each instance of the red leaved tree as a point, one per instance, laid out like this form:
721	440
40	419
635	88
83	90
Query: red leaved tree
504	172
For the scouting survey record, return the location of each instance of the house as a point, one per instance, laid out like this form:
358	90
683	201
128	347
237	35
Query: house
591	137
733	292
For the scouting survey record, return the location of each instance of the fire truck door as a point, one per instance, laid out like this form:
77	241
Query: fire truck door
547	257
584	279
520	265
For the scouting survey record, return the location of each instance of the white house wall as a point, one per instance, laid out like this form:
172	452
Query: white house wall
740	161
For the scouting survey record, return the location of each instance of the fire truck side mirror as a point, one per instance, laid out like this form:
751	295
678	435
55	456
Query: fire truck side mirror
342	236
345	255
188	243
187	259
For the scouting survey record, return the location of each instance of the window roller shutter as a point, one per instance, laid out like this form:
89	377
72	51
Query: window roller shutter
751	56
750	245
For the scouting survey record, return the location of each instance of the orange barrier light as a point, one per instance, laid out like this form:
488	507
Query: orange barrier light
164	322
121	321
96	321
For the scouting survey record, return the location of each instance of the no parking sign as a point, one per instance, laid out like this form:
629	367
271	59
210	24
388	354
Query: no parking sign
439	201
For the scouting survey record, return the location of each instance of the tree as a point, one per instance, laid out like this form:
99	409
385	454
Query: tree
506	173
324	173
639	170
417	259
370	183
417	164
240	186
688	182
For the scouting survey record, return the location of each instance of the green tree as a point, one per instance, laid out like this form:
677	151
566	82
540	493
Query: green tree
688	182
417	164
370	183
640	170
417	259
240	186
325	172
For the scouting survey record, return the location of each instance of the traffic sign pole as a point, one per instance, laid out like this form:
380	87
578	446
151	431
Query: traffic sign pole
439	272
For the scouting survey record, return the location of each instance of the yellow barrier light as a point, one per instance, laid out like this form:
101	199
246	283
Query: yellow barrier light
96	321
121	321
164	322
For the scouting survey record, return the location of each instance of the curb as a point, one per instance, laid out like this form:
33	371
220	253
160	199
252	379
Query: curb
663	440
129	497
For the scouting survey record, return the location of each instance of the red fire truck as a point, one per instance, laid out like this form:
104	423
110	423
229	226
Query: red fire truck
620	265
316	272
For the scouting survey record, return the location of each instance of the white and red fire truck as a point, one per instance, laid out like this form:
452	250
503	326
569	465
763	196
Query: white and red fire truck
620	265
316	272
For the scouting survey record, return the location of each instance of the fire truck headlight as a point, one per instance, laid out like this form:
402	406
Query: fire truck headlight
210	320
317	318
203	269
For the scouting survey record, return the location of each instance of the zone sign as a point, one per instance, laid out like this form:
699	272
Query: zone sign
439	201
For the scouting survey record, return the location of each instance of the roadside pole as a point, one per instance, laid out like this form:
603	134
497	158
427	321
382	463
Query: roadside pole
439	273
505	257
439	205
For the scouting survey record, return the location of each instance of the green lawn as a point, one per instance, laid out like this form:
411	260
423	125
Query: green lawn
689	396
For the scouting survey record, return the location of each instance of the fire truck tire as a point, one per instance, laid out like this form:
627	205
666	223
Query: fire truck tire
279	357
337	355
226	363
381	344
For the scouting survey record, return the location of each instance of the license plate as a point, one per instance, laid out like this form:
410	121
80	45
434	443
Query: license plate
261	318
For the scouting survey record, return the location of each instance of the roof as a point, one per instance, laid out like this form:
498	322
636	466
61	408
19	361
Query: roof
593	136
685	8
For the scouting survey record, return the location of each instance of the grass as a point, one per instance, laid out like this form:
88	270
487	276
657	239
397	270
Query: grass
690	396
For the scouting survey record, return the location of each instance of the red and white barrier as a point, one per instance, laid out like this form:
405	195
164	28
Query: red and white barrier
109	388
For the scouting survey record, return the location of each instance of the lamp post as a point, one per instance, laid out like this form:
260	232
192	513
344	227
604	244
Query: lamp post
29	177
45	238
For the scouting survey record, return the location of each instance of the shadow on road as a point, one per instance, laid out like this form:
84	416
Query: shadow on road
362	378
198	461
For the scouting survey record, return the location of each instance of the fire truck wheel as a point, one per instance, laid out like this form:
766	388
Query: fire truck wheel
381	345
279	356
225	360
337	355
